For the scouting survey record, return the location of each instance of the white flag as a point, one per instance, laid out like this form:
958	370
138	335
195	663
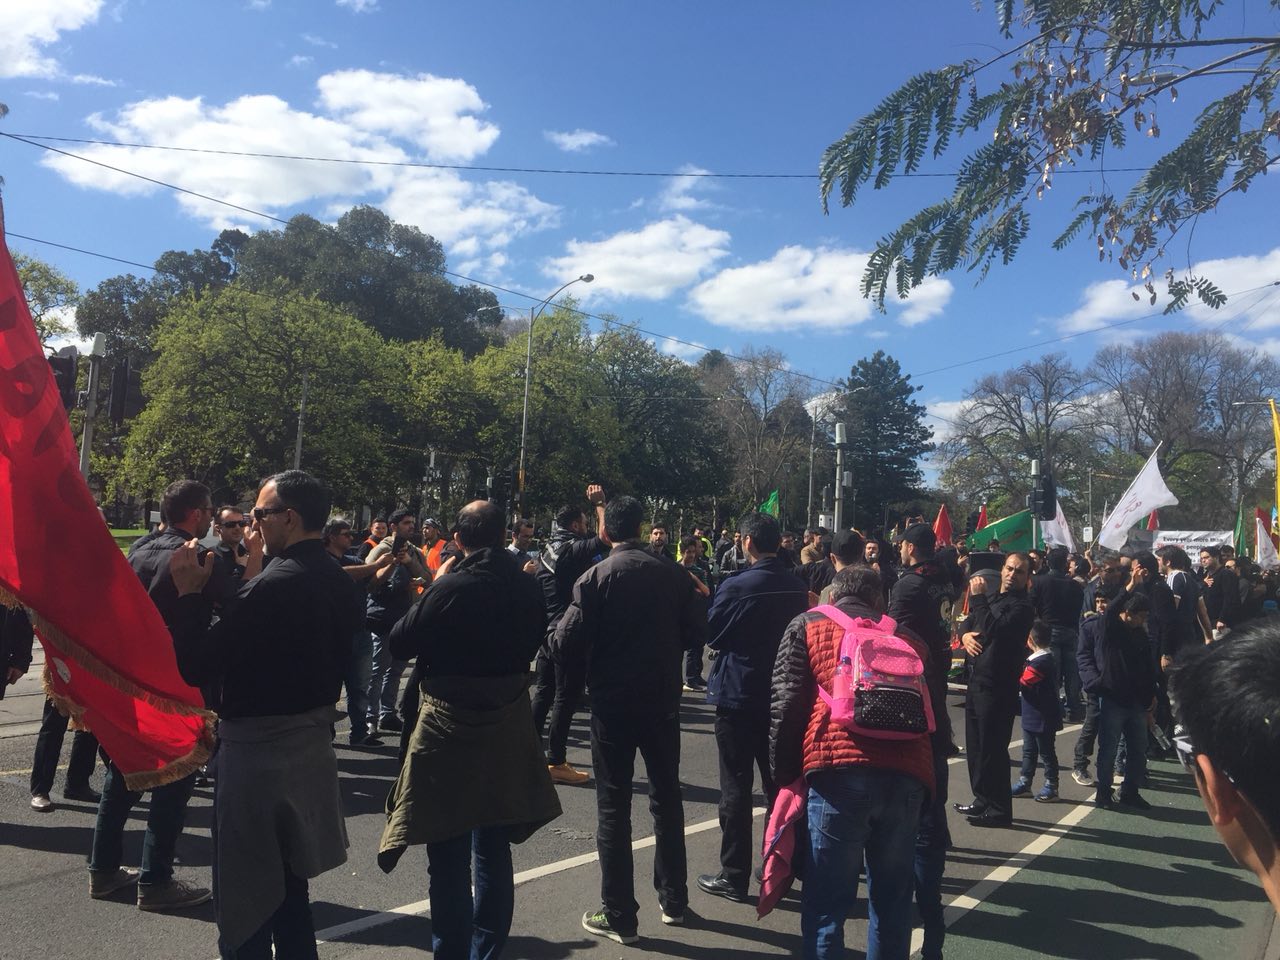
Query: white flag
1268	559
1056	532
1147	492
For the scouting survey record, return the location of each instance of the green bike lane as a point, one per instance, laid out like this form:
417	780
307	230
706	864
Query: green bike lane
1082	882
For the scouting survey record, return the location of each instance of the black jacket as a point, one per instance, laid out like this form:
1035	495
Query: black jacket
16	642
285	645
150	561
745	626
565	557
1222	600
631	619
921	601
484	619
1004	622
1115	660
1057	598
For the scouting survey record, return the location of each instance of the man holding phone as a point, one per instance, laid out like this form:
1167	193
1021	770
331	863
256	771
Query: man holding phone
390	596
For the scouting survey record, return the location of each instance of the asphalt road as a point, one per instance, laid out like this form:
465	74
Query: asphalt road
1066	881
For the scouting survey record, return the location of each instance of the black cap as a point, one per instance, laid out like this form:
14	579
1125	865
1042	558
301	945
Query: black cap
432	522
921	536
847	546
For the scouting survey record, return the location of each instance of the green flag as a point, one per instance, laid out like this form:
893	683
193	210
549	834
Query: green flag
1014	533
770	506
1241	544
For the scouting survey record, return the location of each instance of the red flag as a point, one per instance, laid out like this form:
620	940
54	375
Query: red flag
1153	521
982	518
109	661
942	527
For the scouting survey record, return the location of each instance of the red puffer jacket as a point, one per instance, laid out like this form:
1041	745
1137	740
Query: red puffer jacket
803	737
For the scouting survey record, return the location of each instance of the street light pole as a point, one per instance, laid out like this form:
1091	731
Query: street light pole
534	313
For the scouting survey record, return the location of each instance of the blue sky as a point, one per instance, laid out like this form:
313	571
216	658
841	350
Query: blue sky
665	88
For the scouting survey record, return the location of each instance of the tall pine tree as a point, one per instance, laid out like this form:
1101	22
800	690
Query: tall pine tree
886	436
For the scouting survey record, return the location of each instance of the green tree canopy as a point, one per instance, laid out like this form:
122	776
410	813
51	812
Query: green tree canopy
49	292
1083	76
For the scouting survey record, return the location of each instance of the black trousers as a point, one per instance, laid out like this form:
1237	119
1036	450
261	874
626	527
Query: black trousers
988	725
742	741
557	691
1088	733
615	740
290	928
44	766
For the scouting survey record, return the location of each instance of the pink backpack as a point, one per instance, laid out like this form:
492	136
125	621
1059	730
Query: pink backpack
879	688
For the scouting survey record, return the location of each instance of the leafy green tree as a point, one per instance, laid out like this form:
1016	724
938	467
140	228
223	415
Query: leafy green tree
49	292
231	429
125	308
886	436
387	274
1083	76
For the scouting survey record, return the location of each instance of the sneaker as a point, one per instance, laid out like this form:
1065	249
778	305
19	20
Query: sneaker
1134	800
695	685
171	895
673	919
563	773
1021	789
391	722
103	883
1048	794
1082	777
597	922
41	803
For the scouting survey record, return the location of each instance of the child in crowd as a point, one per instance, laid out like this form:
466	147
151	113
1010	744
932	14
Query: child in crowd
1041	715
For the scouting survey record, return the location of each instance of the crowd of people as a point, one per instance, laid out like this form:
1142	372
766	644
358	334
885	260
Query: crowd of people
829	657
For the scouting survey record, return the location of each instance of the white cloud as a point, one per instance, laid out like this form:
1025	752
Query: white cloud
474	218
689	352
678	194
91	80
650	263
42	95
259	4
315	41
801	289
359	6
942	413
28	26
433	112
298	60
576	141
1111	301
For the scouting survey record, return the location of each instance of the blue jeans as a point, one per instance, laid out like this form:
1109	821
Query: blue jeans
932	843
1115	721
359	674
857	814
464	927
164	824
1040	747
384	684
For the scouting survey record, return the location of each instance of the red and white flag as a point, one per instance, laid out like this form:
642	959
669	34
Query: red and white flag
109	660
1147	492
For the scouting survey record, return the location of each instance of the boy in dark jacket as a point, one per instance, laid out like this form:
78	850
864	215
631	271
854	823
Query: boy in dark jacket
1041	714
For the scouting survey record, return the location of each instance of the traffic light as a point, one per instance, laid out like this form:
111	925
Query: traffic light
1048	497
64	364
125	400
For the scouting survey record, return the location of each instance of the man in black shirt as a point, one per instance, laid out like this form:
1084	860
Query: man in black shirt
1221	591
279	654
1058	600
187	508
228	526
558	685
998	646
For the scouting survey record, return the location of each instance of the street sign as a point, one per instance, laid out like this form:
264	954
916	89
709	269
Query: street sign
1087	534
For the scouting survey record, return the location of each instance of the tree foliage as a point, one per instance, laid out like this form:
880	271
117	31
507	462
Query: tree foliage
49	292
886	435
1084	76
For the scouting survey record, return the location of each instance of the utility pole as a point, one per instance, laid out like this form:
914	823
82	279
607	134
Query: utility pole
302	412
91	402
839	504
1035	518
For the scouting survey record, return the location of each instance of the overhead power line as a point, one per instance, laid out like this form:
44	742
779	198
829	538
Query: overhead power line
422	164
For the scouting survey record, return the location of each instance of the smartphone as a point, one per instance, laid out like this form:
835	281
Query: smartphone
397	544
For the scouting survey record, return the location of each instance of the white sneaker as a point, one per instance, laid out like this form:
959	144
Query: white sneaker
673	919
41	803
1082	777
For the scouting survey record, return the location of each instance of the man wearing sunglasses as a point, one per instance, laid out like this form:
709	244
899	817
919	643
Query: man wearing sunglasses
229	525
1226	698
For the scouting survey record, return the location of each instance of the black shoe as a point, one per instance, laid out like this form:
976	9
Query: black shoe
391	722
1134	800
1103	797
989	819
85	794
718	886
974	809
695	684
